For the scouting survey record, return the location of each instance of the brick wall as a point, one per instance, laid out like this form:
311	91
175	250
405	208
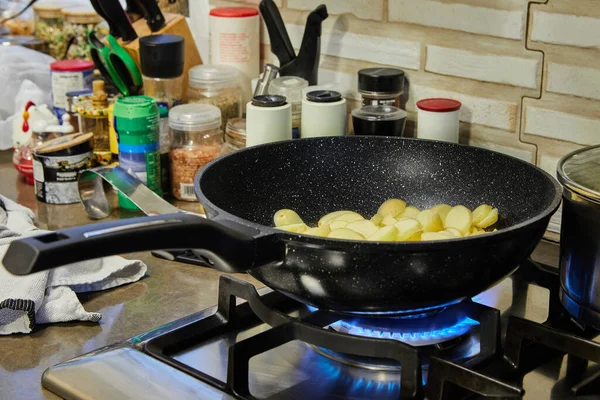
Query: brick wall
526	72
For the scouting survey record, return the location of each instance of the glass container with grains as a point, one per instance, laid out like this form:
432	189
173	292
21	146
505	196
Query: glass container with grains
196	139
235	136
94	119
77	22
217	85
49	28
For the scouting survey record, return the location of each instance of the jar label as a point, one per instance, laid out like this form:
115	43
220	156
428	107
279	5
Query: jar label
145	166
63	82
187	191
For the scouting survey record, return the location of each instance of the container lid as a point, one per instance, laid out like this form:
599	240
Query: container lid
80	92
580	172
49	10
234	12
162	56
382	80
72	65
438	105
269	100
288	86
17	40
323	96
81	15
63	142
135	107
379	113
195	117
205	76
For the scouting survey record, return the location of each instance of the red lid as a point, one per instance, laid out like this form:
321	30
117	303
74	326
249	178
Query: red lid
72	65
438	105
234	12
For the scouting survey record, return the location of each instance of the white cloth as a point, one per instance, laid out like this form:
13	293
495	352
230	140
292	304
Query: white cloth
49	296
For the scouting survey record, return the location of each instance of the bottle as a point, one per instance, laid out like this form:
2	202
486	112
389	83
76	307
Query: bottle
137	125
291	88
94	119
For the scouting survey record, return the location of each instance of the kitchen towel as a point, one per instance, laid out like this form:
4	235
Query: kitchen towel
50	296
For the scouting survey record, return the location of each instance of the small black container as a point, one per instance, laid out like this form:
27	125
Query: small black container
381	120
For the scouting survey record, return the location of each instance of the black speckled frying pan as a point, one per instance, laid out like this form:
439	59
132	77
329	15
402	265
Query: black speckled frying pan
241	192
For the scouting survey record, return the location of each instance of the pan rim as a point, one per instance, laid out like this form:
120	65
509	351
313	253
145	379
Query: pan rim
379	246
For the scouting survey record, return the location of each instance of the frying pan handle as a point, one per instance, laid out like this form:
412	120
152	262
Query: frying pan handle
235	250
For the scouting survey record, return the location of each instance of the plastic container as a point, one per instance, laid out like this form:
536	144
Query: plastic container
268	119
49	28
196	140
235	40
438	119
73	99
291	88
235	136
66	76
216	85
381	120
323	114
77	22
381	86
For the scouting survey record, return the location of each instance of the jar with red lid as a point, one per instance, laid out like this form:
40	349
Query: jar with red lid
68	75
438	119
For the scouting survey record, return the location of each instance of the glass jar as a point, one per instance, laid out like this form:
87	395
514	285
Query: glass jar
94	119
218	86
381	86
291	88
196	139
74	97
49	28
235	136
77	22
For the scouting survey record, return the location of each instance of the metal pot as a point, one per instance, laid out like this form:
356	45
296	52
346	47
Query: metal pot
579	173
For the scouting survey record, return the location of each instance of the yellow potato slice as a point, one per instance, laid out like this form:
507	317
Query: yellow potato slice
430	221
364	227
407	228
415	238
392	207
489	219
350	216
460	218
447	234
388	220
455	232
480	213
345	233
376	219
442	209
286	217
385	234
337	225
427	236
325	219
410	212
321	231
296	228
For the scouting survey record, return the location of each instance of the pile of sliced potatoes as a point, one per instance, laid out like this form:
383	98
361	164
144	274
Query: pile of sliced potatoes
395	222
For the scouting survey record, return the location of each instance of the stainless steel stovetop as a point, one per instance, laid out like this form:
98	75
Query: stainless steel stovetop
192	358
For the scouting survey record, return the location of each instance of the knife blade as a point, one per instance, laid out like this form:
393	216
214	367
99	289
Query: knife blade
115	13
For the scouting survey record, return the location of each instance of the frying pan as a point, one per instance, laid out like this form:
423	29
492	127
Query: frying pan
241	192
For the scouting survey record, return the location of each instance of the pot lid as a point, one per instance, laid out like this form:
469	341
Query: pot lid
580	172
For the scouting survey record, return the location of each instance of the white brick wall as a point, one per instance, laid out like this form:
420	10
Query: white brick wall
571	79
345	83
571	30
363	9
475	110
516	71
562	126
461	17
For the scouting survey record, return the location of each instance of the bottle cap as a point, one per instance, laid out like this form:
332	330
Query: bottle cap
195	117
382	80
162	56
217	76
323	96
268	100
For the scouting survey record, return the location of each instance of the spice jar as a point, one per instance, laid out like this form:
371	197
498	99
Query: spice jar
382	120
94	119
49	28
218	86
291	88
381	86
77	22
196	140
235	136
438	119
73	99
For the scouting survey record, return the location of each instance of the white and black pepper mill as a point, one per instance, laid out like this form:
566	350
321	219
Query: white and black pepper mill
323	114
268	119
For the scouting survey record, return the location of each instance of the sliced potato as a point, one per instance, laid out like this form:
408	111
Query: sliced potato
385	234
447	234
481	212
455	232
376	219
325	219
460	218
388	220
426	236
416	237
364	227
321	231
296	228
410	212
286	217
337	225
407	228
442	209
430	221
392	207
489	219
350	216
345	233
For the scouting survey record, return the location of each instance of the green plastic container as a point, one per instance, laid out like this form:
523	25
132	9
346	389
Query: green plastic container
137	123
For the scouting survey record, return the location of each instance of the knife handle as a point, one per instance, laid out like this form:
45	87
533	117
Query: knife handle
281	45
154	16
115	13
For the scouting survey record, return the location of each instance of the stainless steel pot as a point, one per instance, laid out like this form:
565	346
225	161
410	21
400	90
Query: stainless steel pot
579	173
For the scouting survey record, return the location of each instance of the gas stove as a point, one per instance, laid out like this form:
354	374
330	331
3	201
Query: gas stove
513	341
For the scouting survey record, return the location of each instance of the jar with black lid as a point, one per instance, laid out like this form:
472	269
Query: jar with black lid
381	86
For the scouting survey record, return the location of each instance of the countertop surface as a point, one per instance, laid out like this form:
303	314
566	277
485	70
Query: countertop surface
168	292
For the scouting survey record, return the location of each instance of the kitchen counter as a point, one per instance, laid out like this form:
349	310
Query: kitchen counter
168	292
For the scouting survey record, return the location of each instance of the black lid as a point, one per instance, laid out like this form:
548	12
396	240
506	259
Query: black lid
268	100
162	56
323	96
384	80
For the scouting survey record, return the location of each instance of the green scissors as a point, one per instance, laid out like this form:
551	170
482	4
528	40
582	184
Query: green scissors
116	64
